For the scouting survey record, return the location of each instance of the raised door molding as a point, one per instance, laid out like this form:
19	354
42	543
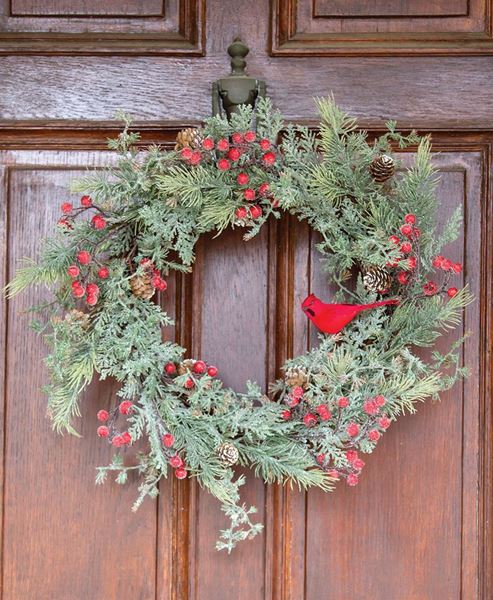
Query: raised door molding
113	27
381	27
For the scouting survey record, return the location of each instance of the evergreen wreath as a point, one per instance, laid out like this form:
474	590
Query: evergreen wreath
141	220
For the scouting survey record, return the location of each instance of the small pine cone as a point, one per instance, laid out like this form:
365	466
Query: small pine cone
377	279
141	286
77	316
296	377
382	168
188	138
228	454
185	366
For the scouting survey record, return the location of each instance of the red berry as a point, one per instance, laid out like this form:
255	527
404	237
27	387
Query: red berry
186	153
293	401
92	289
384	422
196	157
412	262
264	144
84	257
394	239
269	158
212	371
323	412
352	479
242	179
358	464
250	136
168	440
91	299
199	367
125	407
103	415
234	154
286	415
237	138
406	247
170	368
176	462
447	264
103	273
64	223
298	392
352	429
67	208
374	435
410	218
403	277
73	271
156	281
241	212
438	261
223	164
249	194
103	431
222	145
189	383
370	407
416	232
99	222
310	420
379	401
86	201
126	437
78	292
351	456
180	473
451	292
343	402
406	230
321	458
208	144
263	189
255	211
457	267
118	441
430	288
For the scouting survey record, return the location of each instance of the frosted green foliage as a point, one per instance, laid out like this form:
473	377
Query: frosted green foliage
334	401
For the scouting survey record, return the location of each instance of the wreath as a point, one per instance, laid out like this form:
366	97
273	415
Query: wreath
137	222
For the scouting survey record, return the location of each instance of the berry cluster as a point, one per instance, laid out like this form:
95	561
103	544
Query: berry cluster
370	431
193	368
109	430
409	257
238	157
157	280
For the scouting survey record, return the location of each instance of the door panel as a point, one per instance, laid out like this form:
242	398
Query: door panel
418	526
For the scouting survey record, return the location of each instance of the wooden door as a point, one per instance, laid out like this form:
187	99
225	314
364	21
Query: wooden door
418	527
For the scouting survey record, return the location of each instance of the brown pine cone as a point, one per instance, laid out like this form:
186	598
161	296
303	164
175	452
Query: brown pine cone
185	366
382	168
77	316
296	377
188	138
228	454
141	286
377	279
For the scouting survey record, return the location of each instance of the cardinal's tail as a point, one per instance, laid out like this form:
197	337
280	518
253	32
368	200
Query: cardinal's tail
381	303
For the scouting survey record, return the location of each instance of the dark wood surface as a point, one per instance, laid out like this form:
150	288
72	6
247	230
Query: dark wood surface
418	526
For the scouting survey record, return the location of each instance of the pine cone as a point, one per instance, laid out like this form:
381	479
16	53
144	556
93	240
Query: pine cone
377	279
141	286
228	454
296	377
382	168
77	316
188	138
185	366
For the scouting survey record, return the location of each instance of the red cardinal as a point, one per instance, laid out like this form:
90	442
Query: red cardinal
332	318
